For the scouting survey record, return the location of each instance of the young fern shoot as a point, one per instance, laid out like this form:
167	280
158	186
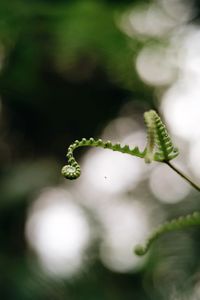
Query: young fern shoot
175	224
72	169
159	148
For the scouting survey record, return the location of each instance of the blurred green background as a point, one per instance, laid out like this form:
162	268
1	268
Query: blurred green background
73	69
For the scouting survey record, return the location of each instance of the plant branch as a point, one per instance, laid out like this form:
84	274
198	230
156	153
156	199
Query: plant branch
194	185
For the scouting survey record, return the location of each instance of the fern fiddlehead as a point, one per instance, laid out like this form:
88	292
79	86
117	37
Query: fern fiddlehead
72	169
175	224
157	137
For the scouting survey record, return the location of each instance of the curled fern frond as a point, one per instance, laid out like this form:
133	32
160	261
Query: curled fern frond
72	169
158	138
159	146
175	224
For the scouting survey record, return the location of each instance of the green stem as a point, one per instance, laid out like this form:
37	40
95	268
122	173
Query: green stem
194	185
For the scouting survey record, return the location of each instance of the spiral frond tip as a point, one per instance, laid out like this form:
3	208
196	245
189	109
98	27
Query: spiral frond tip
70	172
139	250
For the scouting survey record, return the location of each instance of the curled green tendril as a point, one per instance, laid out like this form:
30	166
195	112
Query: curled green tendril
159	146
175	224
72	169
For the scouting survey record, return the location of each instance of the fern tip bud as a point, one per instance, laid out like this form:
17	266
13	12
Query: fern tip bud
70	172
139	250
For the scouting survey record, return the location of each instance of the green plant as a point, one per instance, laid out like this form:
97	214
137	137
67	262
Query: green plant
159	148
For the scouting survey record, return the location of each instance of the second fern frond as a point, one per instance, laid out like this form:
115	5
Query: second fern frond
175	224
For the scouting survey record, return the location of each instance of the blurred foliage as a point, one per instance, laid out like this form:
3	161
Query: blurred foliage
66	69
78	51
